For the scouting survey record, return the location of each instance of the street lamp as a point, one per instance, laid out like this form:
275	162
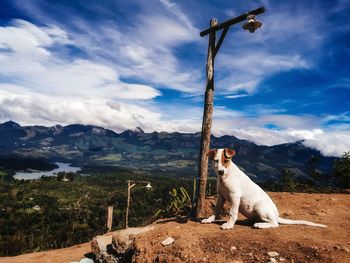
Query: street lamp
131	184
252	24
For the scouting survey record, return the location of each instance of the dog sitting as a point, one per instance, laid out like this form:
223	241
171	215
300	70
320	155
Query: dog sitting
244	195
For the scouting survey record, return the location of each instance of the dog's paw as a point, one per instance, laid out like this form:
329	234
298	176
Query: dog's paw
226	225
257	225
208	220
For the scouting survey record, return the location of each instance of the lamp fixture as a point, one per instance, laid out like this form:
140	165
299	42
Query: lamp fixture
252	24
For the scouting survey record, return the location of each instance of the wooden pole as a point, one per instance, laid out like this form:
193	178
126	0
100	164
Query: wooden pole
109	218
207	122
127	207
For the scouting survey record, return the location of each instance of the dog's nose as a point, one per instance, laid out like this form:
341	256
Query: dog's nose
221	172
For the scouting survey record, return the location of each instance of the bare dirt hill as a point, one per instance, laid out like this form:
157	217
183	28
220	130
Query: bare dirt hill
195	242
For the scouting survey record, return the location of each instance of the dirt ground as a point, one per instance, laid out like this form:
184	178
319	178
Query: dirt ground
74	253
195	242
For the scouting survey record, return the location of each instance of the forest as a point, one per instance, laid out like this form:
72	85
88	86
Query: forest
52	213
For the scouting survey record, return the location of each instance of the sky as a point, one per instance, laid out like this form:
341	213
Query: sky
136	63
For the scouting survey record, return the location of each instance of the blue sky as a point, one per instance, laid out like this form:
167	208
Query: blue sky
124	64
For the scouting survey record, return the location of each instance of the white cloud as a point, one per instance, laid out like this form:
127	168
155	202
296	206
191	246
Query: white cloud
144	52
343	117
331	143
19	104
28	108
143	48
174	9
30	64
247	70
290	128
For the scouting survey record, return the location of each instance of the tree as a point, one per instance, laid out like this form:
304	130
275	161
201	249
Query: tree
5	176
341	171
288	180
311	166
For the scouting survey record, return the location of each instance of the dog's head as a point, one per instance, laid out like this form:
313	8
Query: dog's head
221	159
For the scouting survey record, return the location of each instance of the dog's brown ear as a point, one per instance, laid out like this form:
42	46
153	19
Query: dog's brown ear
229	153
211	154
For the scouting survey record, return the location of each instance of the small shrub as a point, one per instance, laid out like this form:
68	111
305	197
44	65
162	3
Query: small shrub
180	204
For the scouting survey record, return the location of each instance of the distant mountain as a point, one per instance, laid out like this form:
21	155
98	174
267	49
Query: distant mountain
176	153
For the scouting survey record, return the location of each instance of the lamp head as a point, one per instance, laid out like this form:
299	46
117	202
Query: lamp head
252	23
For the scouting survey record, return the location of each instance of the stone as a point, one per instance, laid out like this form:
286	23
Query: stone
233	248
273	260
168	241
109	247
101	246
273	254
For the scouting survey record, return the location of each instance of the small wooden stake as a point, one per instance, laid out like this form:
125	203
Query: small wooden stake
127	207
109	218
207	122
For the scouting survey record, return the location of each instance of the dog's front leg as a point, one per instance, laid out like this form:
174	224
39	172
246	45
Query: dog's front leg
218	208
235	200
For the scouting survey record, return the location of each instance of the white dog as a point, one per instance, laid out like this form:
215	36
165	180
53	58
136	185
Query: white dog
244	195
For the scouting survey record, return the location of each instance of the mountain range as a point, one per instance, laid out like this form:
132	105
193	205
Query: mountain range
158	152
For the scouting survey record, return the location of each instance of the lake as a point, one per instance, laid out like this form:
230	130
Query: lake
62	167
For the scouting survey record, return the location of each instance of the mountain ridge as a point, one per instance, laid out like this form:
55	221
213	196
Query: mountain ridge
168	152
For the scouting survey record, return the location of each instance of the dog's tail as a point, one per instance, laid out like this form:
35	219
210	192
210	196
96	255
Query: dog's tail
298	222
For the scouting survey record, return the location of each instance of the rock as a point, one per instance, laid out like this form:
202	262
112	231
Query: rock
102	247
233	248
86	260
168	241
282	259
273	260
122	240
347	250
273	254
111	246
